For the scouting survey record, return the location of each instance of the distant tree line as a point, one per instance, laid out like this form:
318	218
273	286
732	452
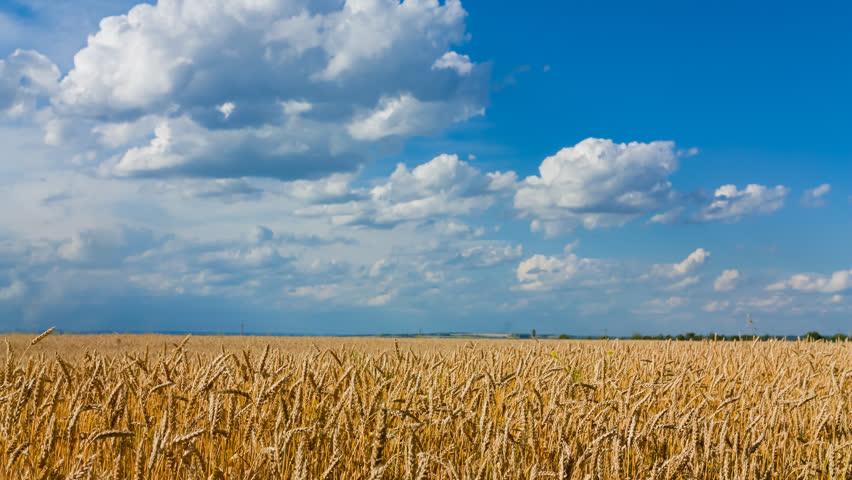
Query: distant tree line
691	336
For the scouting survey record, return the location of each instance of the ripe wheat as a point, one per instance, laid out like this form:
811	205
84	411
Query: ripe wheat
384	409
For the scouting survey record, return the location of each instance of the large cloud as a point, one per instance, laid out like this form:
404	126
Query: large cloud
731	204
280	88
442	187
812	282
598	183
221	100
106	247
543	273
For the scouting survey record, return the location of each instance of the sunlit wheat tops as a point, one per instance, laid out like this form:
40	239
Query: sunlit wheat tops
510	410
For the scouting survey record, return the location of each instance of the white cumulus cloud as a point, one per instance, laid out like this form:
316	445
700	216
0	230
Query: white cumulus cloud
731	204
227	109
25	75
442	187
726	281
813	282
688	265
279	88
454	61
543	273
597	183
405	115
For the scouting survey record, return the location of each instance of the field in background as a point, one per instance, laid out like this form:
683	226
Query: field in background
314	408
73	346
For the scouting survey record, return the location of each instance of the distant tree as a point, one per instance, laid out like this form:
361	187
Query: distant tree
533	333
564	337
813	336
636	336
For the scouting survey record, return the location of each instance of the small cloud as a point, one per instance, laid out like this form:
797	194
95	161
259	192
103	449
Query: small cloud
690	152
227	109
295	107
683	283
813	197
546	68
662	305
726	281
502	181
452	60
668	217
378	268
471	157
380	300
452	228
696	258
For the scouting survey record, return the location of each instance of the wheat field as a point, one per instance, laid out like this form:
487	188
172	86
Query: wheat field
156	407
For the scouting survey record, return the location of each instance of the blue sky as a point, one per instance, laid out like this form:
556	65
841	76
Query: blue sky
373	166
